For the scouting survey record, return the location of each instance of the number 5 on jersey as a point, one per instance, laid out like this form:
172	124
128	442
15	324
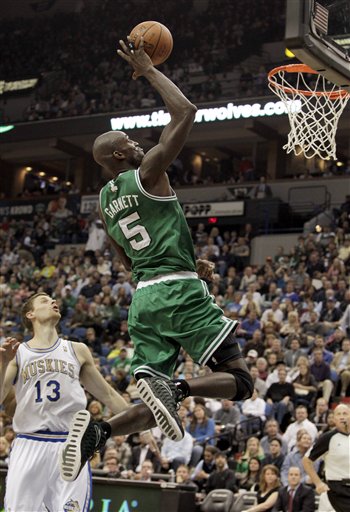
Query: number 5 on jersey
131	233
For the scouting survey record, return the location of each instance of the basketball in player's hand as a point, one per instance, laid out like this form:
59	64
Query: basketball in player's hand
158	41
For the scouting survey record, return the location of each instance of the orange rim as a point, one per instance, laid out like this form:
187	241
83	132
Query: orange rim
302	68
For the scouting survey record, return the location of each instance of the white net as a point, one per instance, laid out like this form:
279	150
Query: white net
314	107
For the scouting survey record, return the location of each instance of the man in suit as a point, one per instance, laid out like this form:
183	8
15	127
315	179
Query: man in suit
141	453
295	497
341	364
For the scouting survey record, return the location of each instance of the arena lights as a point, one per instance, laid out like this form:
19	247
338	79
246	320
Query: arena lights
17	85
289	54
6	128
207	115
42	174
28	169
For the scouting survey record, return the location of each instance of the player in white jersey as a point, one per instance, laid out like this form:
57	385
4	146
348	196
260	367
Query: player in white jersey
47	373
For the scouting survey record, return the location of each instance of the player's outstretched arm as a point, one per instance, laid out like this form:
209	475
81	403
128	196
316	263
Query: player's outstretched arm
181	110
95	384
8	366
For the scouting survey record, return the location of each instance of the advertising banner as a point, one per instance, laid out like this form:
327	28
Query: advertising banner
224	209
59	207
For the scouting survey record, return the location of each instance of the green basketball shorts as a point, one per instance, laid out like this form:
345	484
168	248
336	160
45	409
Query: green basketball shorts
168	315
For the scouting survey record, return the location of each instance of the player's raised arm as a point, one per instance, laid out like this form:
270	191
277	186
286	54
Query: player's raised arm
181	110
8	366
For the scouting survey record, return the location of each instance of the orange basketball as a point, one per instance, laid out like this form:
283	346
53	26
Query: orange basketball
158	41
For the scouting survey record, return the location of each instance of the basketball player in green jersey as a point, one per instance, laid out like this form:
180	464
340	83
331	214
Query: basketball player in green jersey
171	307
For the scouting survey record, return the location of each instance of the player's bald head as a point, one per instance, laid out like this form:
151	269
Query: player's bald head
116	152
104	147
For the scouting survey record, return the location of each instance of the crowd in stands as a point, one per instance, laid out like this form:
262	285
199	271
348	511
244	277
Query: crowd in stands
82	75
294	334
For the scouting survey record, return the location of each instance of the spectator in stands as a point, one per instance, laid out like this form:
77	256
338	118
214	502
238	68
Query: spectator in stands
295	496
341	364
319	417
272	431
253	449
275	310
95	408
201	426
122	361
294	458
258	383
292	326
301	423
290	293
262	190
321	371
228	414
256	343
111	467
250	325
251	358
261	364
202	430
335	340
122	283
274	345
269	297
123	450
250	305
268	489
92	341
145	472
272	367
141	453
275	455
183	477
205	467
344	322
97	237
327	355
253	411
280	397
292	355
314	264
305	385
222	477
250	481
4	450
9	434
92	288
248	278
312	326
176	453
330	315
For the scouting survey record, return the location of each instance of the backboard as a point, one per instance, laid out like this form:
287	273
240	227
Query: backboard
318	33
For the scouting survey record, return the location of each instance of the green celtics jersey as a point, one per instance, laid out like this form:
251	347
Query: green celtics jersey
152	230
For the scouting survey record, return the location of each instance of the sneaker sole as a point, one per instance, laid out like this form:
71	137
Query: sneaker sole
70	453
165	421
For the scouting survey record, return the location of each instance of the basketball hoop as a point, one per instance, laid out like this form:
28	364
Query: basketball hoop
314	107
